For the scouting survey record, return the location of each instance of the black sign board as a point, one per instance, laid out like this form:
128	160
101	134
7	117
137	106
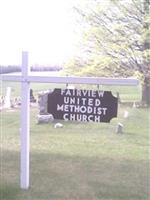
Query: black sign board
82	105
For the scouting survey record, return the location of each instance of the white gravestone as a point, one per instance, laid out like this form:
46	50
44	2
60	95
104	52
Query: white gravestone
7	100
126	114
58	125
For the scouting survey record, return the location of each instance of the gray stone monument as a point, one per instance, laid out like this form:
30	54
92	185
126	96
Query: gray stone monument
42	102
43	116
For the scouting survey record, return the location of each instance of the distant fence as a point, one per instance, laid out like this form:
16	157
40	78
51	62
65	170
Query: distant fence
11	69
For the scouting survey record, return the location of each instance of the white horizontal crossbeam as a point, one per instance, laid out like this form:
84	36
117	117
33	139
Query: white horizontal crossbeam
71	80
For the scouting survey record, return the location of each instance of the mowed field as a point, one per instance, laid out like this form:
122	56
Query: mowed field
81	161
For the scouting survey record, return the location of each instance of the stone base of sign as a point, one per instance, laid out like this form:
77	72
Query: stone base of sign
45	119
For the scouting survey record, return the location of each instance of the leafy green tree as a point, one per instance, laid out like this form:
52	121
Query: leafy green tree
116	40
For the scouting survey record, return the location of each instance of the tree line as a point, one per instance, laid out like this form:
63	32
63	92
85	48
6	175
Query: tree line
11	69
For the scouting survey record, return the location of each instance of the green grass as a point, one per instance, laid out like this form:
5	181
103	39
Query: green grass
81	161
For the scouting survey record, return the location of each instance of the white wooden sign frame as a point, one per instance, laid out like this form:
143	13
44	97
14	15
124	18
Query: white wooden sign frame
25	78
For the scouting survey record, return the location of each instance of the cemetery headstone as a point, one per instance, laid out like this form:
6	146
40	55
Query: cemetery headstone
32	98
134	105
58	125
126	114
1	101
42	102
43	116
18	101
7	99
119	128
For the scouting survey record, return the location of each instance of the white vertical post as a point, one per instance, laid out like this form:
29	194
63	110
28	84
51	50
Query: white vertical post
25	123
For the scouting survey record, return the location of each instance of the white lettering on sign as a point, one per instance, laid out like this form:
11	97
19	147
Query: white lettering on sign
81	101
81	109
59	107
81	105
79	93
81	117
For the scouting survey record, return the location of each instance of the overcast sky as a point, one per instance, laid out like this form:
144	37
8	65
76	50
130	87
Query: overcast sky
42	27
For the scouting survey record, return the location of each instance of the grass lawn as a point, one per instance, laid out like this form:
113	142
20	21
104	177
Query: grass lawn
81	161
